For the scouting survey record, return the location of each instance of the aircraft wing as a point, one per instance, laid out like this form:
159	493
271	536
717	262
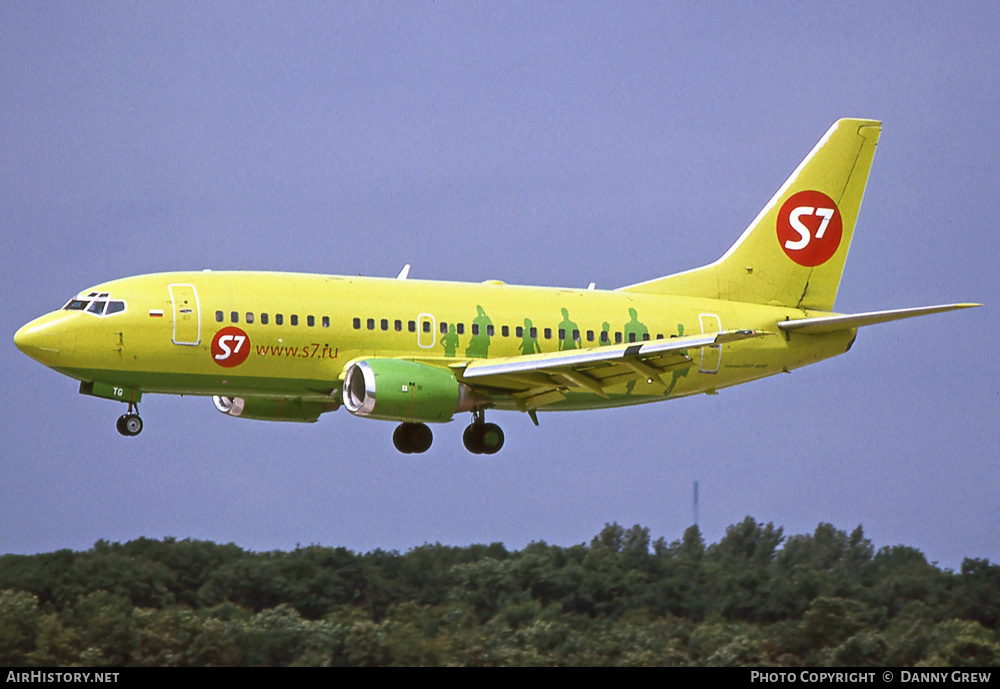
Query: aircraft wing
539	379
829	324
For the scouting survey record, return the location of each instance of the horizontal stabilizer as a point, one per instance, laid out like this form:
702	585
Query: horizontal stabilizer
829	324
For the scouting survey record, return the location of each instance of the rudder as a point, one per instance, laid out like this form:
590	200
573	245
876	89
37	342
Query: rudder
794	251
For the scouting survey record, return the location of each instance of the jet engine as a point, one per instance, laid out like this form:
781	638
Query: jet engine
267	409
397	390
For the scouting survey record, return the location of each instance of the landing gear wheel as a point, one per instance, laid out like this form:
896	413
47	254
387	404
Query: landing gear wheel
129	424
412	438
491	438
483	438
471	440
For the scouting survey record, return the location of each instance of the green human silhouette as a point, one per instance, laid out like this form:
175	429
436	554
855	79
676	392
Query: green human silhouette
605	334
680	333
567	341
677	373
450	341
529	344
479	343
634	332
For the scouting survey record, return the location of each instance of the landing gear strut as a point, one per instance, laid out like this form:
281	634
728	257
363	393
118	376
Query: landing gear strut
481	438
129	423
412	438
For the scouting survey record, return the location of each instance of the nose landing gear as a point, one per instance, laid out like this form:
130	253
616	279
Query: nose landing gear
129	423
481	438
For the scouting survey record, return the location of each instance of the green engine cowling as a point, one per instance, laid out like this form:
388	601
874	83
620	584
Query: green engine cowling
266	409
397	390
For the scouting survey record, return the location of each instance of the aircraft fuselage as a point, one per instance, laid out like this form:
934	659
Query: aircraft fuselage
167	340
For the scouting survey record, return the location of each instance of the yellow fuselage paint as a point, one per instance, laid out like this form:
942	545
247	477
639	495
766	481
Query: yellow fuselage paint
172	353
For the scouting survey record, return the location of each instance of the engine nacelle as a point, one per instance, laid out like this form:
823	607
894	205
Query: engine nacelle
396	390
266	409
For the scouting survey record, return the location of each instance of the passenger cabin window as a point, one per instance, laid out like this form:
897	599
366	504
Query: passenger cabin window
219	316
263	319
278	319
357	324
505	331
411	326
398	326
371	323
326	321
234	317
310	321
293	319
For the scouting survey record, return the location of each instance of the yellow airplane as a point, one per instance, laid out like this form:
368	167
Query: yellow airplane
289	347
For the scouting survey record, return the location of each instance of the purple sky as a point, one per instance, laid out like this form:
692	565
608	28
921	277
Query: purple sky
538	143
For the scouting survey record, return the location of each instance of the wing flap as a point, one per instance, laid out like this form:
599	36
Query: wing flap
540	379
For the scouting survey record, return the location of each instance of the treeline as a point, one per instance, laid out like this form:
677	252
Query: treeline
753	598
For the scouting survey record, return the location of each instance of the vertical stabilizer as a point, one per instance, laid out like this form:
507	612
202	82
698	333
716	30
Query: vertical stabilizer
793	253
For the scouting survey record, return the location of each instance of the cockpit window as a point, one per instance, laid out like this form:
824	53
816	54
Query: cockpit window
97	304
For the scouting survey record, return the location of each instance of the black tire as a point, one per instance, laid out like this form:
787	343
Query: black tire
490	438
120	425
473	439
412	438
401	439
421	438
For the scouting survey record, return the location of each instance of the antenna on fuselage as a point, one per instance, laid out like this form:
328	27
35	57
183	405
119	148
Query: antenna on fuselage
591	285
404	272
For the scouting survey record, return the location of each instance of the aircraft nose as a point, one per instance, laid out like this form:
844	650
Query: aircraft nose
37	340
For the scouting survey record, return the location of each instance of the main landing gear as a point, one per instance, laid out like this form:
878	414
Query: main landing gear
412	438
129	423
481	438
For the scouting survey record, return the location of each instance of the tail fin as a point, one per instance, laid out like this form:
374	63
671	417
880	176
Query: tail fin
793	252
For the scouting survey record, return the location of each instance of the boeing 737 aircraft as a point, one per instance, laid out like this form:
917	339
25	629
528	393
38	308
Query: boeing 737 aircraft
289	347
